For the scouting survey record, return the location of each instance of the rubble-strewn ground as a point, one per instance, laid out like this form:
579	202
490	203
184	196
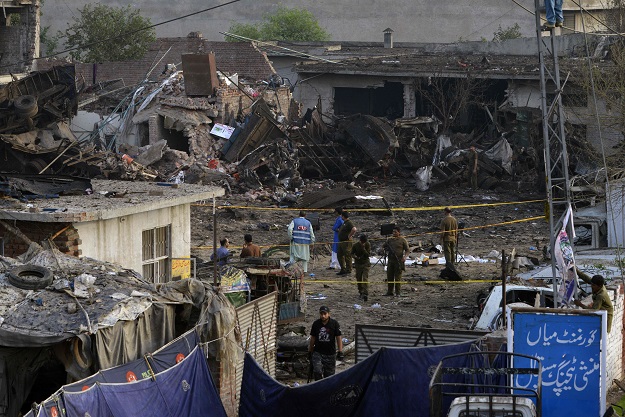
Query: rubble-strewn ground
447	305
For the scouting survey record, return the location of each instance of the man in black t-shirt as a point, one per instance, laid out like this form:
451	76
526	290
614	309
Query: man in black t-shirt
325	336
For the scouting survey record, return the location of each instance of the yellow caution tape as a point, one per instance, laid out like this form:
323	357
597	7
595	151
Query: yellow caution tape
429	208
528	219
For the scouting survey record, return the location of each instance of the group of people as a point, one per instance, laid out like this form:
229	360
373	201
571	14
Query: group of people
223	253
347	254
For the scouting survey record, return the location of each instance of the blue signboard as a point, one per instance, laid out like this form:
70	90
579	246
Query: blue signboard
573	361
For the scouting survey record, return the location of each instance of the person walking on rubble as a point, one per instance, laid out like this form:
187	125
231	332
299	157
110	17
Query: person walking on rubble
473	158
600	298
301	236
325	336
249	249
334	263
449	238
346	232
222	252
361	252
397	248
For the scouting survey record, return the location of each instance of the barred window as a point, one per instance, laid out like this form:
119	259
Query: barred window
156	254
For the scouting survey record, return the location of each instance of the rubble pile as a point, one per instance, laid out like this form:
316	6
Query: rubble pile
242	138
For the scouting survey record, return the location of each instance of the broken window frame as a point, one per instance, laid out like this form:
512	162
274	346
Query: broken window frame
156	254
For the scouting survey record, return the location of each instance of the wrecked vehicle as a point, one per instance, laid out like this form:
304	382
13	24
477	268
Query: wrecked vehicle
491	317
34	124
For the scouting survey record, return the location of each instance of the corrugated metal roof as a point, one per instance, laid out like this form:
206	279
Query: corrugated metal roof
258	322
370	338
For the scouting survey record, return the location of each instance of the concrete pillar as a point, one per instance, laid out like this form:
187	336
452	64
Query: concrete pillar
410	101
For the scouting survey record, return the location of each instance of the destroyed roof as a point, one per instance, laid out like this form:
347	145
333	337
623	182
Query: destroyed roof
84	296
109	199
424	65
242	58
567	45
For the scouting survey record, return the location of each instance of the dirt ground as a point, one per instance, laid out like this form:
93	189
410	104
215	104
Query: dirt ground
429	301
446	305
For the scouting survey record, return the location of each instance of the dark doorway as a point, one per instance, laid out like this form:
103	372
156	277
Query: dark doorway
387	101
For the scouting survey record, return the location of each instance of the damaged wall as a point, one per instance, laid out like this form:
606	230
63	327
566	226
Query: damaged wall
325	86
119	239
19	36
579	110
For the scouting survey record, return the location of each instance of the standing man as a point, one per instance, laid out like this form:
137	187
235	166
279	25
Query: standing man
325	335
249	249
473	157
301	236
449	238
600	298
222	252
334	263
553	13
397	248
361	252
346	232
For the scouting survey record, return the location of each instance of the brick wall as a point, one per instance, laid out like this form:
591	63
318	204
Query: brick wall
232	57
19	44
67	241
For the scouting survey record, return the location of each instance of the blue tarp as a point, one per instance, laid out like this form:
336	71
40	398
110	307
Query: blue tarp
182	386
185	389
391	382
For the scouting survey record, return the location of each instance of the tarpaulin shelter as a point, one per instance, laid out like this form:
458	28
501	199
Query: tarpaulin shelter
185	388
89	315
391	382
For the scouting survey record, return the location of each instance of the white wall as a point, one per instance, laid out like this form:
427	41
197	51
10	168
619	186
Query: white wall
119	239
614	363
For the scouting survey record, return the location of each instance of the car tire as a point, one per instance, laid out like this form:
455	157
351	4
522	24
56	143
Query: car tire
26	106
30	277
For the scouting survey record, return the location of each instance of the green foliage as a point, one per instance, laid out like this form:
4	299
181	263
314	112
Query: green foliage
285	24
511	32
105	33
49	43
15	19
242	29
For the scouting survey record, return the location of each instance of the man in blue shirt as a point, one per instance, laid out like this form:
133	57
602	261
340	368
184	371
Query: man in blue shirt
222	252
334	263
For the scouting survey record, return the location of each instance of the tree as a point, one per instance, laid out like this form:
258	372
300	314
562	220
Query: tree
104	33
511	32
285	24
447	98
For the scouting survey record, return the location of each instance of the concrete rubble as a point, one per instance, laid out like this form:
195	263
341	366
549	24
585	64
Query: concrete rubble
251	138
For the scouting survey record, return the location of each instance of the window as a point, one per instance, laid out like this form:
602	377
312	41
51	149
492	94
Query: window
569	22
156	253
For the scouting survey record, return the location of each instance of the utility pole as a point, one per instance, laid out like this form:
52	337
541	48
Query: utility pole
554	137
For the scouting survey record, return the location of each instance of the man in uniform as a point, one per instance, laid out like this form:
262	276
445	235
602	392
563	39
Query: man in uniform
361	252
301	236
449	238
397	248
249	249
600	297
325	336
346	232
